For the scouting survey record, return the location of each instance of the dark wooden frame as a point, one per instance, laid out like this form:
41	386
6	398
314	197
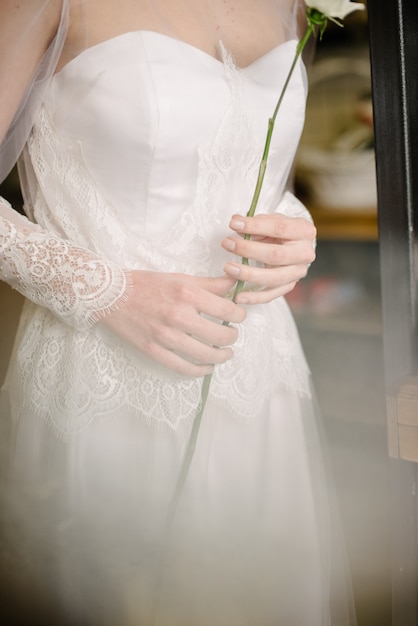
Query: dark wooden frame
393	29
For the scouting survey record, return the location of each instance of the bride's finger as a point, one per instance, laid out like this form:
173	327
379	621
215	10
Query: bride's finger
209	332
177	363
270	277
290	253
274	225
193	349
264	296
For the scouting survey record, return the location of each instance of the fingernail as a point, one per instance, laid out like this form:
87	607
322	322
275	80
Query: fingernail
241	300
237	224
230	268
229	244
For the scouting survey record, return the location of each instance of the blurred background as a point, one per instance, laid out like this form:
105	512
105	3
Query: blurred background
337	307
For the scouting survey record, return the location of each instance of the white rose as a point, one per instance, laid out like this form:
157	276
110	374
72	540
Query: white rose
335	8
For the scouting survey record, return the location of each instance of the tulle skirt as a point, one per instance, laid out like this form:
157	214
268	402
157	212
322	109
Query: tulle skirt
253	543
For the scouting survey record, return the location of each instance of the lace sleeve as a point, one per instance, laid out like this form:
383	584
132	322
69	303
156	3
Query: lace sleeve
73	282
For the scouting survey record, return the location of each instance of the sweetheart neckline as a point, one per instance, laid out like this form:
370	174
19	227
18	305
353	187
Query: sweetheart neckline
220	63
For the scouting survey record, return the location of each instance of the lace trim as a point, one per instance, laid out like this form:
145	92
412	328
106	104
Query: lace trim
72	377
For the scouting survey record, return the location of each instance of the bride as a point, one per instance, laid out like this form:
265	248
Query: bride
139	125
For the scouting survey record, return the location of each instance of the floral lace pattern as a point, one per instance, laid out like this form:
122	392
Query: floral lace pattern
72	376
74	283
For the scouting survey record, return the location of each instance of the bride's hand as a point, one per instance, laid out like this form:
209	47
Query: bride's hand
285	247
162	319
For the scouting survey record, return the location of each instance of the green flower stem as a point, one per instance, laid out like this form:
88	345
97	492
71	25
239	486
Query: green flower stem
240	284
191	446
263	163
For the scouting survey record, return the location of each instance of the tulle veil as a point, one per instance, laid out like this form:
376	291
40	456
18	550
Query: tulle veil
80	547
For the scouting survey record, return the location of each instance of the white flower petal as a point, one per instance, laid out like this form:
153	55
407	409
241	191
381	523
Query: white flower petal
335	8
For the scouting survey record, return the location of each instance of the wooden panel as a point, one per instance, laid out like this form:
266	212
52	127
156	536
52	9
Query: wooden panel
408	402
403	420
346	225
408	443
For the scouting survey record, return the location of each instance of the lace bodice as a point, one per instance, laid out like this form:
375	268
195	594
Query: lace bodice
143	149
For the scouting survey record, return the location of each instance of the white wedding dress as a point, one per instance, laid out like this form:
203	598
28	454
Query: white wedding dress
142	150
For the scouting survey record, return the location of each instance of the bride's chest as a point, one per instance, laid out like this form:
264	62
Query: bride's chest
155	120
143	86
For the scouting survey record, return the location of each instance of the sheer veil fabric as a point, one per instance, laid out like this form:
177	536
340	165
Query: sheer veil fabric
21	41
24	44
138	127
